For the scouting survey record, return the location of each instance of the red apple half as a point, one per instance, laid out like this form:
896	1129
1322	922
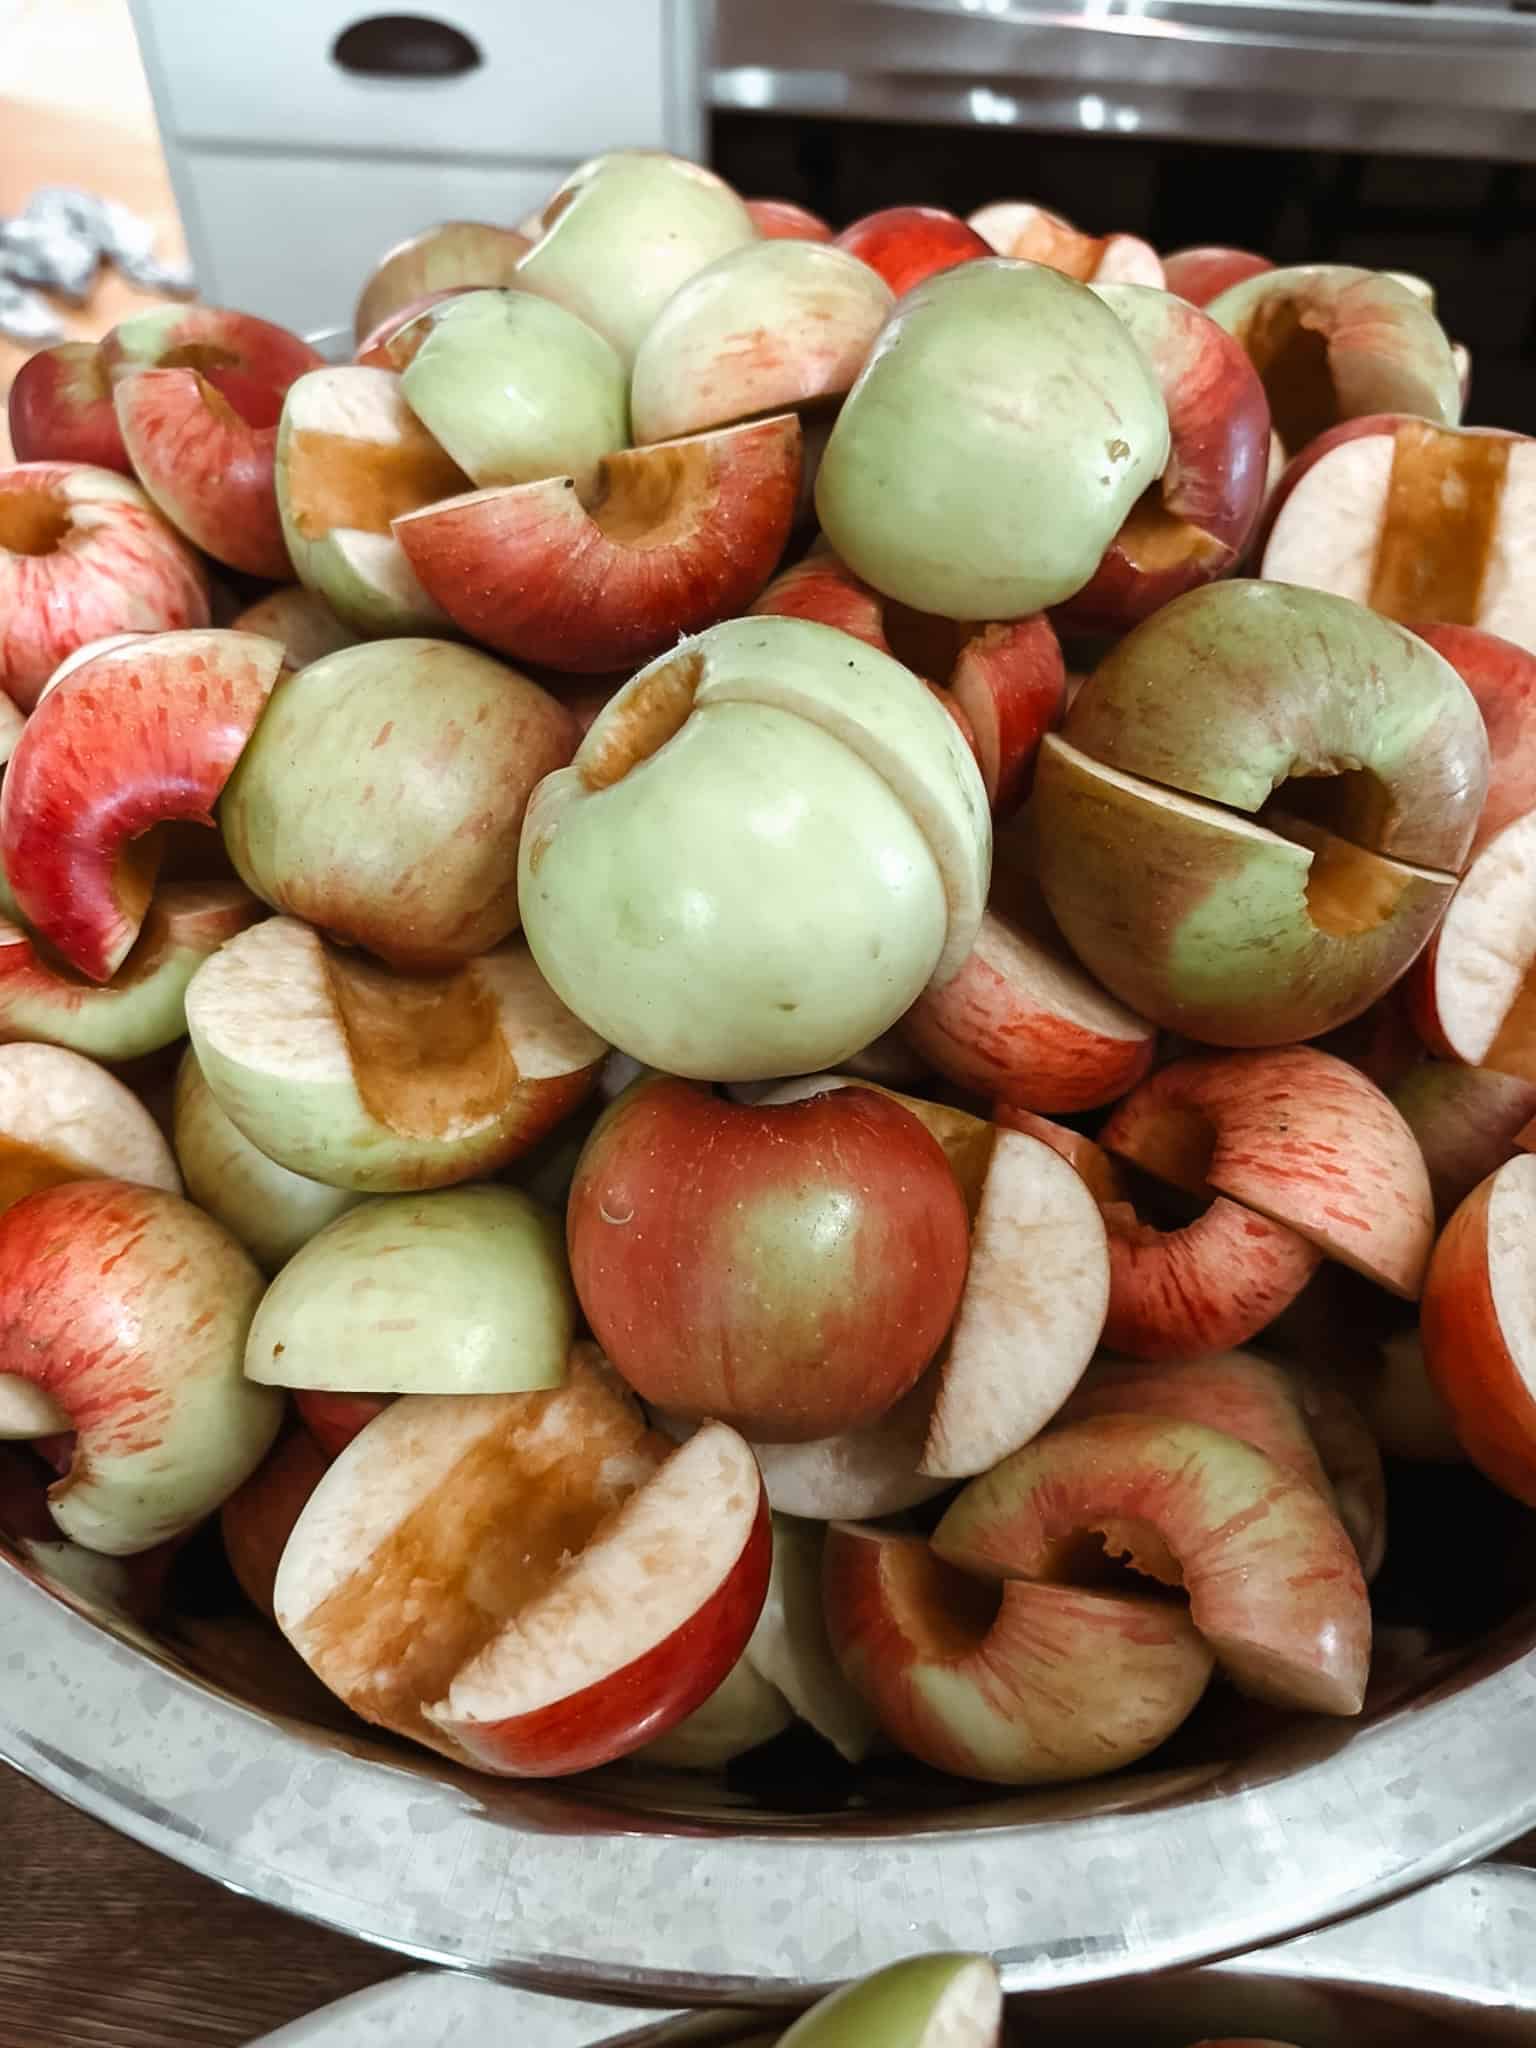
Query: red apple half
208	469
249	362
1471	988
1201	1288
1502	677
60	409
1273	1581
905	244
144	733
665	541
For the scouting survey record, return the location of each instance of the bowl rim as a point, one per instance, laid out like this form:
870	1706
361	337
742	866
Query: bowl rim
542	1891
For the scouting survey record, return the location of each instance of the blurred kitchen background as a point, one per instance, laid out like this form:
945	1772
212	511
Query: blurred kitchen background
290	141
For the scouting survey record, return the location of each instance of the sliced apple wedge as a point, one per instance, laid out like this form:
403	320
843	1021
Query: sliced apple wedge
206	468
1472	991
595	576
1017	1684
1201	1288
348	1073
1273	1581
939	2001
1092	1164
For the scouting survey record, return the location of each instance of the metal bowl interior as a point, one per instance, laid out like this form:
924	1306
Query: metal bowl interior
206	1738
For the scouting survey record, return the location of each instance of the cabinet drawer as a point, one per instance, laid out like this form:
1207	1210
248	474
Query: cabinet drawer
555	81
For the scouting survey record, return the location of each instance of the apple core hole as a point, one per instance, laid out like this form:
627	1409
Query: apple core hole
1173	1151
1151	537
1350	803
640	720
33	522
428	1056
1349	891
201	356
948	1613
1118	1555
923	642
1292	359
136	872
642	497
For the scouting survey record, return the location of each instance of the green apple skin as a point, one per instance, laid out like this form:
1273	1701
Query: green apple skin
767	845
623	232
938	2001
460	1292
515	388
381	797
1000	432
270	1210
1231	690
1200	918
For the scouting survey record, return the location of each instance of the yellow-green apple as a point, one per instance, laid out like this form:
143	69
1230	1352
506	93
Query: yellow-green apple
1200	274
60	409
143	1006
83	554
1331	342
782	219
1471	987
1005	683
144	733
1031	234
1465	1120
1022	1021
936	2001
623	232
771	326
129	1308
906	244
1200	1287
351	455
1193	524
790	1269
1045	448
1502	677
334	1419
300	620
1296	1136
515	388
769	842
270	1210
349	1073
249	362
381	797
258	1518
742	1711
481	1268
1479	1327
594	576
1091	1162
445	257
1019	1685
1361	804
791	1650
1273	1581
1418	520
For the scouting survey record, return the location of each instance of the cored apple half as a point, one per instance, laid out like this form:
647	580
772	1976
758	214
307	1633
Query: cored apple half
60	409
937	2001
664	541
1273	1581
1201	1287
1472	990
206	468
1032	234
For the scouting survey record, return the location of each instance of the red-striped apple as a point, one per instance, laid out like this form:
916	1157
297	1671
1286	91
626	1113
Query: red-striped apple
208	470
906	244
1200	274
60	409
249	362
1470	989
1201	1287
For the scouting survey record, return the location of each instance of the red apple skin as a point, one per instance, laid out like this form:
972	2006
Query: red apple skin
60	409
528	571
334	1419
905	244
1201	274
781	220
118	568
120	746
1208	1287
250	362
705	1254
1091	1162
1502	677
257	1519
208	470
1467	1121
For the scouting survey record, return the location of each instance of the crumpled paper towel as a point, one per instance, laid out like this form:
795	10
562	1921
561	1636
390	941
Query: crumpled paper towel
57	244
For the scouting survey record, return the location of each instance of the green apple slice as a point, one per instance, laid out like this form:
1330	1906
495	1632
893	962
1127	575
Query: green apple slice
938	2001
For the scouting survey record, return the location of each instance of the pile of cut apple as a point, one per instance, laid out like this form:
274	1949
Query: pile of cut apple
770	978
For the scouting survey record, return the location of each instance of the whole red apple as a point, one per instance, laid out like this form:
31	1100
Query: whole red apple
905	244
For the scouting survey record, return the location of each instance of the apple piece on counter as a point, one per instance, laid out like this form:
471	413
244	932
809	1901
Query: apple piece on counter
1200	274
1205	1287
144	733
207	469
1466	1121
447	257
1298	1137
1031	234
1022	1021
936	2001
1470	989
796	865
514	388
791	1271
143	1007
785	220
249	362
481	1268
268	1209
129	1308
352	456
84	554
1092	1164
259	1516
1502	678
1195	522
365	1079
300	620
1045	449
1273	1581
661	542
60	409
488	1495
769	327
743	1711
790	1648
623	233
1017	1685
1418	520
334	1419
1331	342
907	244
381	798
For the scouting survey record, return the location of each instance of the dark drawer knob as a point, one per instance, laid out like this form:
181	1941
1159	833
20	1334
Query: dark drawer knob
405	46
